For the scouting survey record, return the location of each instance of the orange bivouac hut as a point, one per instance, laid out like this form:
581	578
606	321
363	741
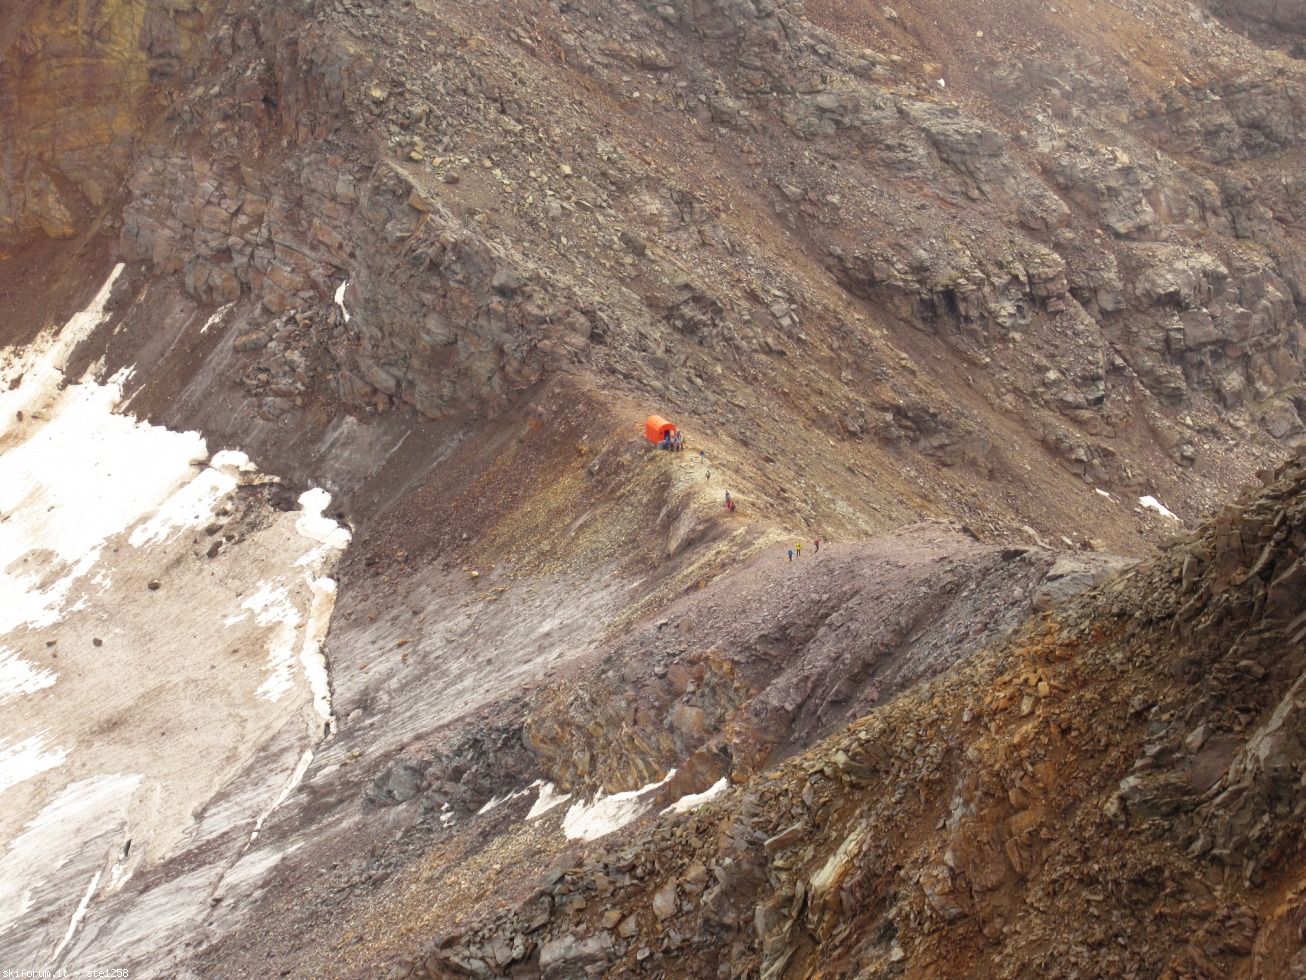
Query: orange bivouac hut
656	428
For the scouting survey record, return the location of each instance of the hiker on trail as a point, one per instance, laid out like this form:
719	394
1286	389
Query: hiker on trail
791	554
679	442
799	548
666	440
817	542
727	499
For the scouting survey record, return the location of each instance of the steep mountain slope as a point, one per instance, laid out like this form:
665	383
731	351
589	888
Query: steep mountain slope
780	236
1115	792
944	286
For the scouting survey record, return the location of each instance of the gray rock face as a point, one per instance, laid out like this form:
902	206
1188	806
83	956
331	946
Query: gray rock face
570	958
1202	325
1281	15
399	783
955	288
1072	574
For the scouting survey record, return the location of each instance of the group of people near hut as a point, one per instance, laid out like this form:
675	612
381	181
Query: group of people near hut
666	436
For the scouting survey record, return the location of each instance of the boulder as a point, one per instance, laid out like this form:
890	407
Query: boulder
571	958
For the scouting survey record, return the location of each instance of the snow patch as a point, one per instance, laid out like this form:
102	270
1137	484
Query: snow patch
193	504
340	299
19	676
26	759
41	364
500	800
1151	503
217	316
118	876
316	527
295	778
90	496
77	917
232	461
81	475
694	800
311	656
608	813
547	800
271	606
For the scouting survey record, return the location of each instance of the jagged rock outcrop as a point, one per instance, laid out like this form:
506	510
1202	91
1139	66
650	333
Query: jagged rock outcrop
961	288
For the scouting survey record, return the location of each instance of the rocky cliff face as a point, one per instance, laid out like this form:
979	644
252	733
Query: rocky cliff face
80	84
1081	231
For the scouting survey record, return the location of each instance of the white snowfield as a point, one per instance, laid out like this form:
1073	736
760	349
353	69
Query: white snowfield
131	620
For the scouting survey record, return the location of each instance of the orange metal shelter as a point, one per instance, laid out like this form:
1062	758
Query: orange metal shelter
655	427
